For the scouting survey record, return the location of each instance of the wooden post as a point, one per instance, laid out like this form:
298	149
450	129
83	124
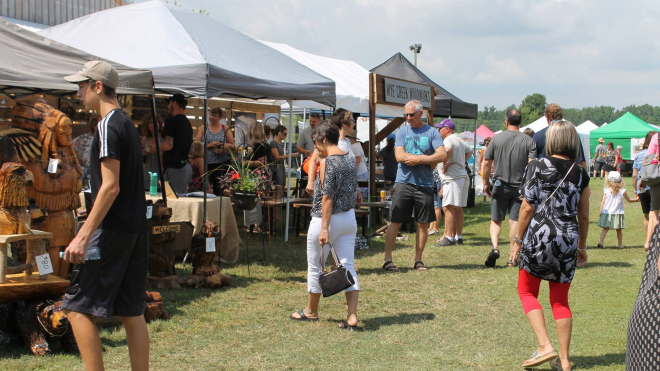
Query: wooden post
372	137
3	262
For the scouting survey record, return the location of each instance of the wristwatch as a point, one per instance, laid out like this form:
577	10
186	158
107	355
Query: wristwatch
516	239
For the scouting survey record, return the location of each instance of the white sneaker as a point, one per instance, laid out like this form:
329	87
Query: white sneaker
432	232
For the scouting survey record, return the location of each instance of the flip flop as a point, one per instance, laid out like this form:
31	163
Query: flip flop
345	326
303	317
556	365
540	359
390	267
420	266
509	263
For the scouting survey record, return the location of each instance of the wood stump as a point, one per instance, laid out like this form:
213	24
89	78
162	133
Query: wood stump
205	273
161	249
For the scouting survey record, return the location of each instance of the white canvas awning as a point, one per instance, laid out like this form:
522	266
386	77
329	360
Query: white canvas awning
586	127
192	53
538	125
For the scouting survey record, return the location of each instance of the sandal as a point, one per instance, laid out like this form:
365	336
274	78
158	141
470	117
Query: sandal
303	317
556	365
510	264
493	255
420	266
540	359
390	267
345	326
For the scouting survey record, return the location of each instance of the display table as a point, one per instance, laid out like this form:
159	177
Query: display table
191	209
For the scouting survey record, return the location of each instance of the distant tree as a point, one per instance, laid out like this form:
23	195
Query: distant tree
531	108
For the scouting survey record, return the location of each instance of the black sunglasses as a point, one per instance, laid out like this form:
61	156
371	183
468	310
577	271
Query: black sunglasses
410	114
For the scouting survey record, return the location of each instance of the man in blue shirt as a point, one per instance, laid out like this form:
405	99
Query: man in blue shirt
418	149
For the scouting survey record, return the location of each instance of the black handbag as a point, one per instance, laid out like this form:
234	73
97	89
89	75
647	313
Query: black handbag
337	280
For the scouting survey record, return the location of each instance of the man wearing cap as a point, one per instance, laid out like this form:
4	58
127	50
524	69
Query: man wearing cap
418	149
599	158
511	151
455	183
115	283
554	113
178	137
389	159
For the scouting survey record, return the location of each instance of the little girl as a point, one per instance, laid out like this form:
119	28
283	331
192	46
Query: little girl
611	209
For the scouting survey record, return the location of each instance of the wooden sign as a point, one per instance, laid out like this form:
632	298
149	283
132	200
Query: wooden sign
396	92
158	229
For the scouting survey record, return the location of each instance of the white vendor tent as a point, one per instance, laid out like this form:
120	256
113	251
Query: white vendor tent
586	127
351	81
538	125
583	131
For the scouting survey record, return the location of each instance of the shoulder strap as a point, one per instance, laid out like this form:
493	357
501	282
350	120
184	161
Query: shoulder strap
555	191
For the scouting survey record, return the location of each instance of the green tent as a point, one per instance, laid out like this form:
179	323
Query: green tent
628	131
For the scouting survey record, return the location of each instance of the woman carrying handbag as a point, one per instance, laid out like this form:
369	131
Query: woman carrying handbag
333	222
553	224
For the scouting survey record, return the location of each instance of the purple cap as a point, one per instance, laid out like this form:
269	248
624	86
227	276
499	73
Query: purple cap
446	123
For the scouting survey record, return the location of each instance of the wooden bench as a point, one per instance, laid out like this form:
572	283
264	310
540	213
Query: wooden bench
33	249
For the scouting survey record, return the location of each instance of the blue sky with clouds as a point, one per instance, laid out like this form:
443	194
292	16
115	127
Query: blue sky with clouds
491	52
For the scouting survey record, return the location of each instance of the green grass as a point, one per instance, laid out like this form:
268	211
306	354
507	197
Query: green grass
459	315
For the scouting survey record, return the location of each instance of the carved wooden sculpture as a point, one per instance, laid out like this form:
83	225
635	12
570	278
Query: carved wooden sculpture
161	248
205	273
58	191
14	179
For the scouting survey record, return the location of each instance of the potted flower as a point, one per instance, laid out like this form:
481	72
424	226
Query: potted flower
246	184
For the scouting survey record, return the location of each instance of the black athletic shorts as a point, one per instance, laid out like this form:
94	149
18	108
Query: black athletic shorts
598	166
645	200
408	198
505	198
114	285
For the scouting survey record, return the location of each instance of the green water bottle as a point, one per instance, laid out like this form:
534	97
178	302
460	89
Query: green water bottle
153	184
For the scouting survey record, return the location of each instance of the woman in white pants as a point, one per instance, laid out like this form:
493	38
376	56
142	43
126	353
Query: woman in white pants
333	222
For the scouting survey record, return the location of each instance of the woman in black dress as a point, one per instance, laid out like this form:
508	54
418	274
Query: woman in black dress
643	350
553	223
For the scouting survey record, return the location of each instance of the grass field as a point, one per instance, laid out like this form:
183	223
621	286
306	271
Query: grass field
459	315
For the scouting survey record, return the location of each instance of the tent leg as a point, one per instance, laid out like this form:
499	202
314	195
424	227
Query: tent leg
288	175
158	158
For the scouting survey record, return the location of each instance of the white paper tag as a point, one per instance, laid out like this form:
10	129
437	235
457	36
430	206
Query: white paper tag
43	264
210	244
150	210
52	166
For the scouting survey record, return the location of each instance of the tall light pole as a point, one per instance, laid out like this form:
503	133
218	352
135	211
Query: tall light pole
416	48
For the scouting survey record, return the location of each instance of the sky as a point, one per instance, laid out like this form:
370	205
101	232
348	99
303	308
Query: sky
577	53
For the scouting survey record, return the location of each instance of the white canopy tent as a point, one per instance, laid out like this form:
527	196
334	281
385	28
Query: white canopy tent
187	52
538	125
583	131
351	81
586	127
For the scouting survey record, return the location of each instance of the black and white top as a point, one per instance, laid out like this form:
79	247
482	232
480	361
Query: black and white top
549	248
340	183
116	137
212	157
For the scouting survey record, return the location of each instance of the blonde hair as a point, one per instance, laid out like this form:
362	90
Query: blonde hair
256	133
614	186
562	139
198	150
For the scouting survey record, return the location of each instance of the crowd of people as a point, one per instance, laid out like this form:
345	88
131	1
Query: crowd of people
538	179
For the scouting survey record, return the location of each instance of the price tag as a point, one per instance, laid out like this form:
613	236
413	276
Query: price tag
210	244
52	166
43	264
150	210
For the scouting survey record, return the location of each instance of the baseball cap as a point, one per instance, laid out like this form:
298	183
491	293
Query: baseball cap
177	97
391	136
601	140
614	176
97	71
446	123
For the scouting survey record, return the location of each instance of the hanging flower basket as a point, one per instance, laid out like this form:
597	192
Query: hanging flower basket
245	201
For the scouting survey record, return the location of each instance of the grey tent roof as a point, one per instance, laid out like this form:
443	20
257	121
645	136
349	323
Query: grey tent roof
31	63
182	47
446	104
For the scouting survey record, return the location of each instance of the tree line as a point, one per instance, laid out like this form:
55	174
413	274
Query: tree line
533	107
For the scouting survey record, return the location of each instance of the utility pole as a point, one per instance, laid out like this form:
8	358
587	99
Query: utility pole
416	48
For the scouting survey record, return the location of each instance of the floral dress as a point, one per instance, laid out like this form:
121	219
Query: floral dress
549	248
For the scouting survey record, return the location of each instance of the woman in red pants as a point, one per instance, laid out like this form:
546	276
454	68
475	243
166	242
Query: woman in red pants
554	220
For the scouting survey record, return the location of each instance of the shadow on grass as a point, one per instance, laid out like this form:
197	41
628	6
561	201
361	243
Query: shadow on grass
374	324
609	264
586	362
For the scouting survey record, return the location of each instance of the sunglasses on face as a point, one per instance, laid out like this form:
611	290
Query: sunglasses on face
410	114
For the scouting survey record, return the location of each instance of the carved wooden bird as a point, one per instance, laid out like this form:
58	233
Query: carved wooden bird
14	217
202	261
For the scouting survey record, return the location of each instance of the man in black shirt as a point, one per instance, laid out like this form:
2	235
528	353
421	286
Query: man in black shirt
178	135
115	283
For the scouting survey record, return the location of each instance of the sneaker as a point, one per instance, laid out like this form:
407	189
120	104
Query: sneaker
445	242
432	232
459	241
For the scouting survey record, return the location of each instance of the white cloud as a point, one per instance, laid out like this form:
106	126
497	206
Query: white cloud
433	65
501	70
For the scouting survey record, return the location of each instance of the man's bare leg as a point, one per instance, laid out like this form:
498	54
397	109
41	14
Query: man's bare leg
458	220
137	337
420	240
450	227
87	338
495	229
390	239
513	230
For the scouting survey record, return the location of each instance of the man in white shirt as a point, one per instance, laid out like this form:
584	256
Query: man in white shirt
455	183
